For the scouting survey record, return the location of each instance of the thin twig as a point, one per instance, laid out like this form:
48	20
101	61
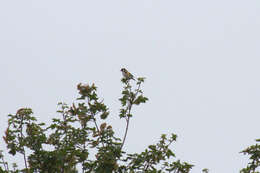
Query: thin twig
95	123
83	164
126	130
129	111
99	132
21	133
25	161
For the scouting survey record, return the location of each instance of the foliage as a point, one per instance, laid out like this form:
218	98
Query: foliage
81	140
254	156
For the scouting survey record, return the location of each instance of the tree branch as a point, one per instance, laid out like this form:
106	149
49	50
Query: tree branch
129	111
22	136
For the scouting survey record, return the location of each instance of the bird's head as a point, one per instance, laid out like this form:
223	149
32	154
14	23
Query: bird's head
123	70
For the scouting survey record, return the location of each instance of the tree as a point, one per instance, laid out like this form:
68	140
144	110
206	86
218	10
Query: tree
254	155
76	142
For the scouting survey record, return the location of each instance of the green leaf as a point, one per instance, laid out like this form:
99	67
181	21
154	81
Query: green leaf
104	115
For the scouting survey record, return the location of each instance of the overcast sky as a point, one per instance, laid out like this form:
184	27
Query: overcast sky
200	57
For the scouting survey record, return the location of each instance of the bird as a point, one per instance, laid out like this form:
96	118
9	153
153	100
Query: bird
126	74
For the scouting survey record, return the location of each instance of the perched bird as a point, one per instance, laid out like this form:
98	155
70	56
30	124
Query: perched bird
127	75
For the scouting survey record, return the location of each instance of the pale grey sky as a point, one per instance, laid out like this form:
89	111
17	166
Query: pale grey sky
201	60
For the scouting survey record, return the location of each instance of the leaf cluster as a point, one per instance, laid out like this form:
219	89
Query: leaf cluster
253	152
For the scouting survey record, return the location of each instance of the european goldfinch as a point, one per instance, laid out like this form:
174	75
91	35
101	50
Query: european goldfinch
127	75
